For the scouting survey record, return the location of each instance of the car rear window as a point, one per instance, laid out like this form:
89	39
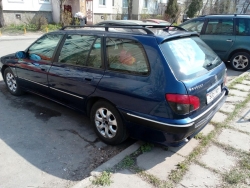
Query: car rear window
189	57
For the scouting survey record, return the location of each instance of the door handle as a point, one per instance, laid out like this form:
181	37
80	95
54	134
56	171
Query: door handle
88	78
36	64
229	40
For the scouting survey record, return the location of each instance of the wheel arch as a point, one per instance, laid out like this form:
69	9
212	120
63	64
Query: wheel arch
236	51
3	69
91	101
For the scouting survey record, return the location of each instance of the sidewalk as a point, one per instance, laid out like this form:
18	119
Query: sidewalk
219	156
26	36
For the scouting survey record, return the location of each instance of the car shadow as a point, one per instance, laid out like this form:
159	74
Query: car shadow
57	141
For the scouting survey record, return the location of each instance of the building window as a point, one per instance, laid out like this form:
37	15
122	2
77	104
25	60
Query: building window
44	1
125	3
113	3
15	1
145	4
102	2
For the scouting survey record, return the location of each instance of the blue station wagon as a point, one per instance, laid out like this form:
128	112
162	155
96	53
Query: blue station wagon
151	84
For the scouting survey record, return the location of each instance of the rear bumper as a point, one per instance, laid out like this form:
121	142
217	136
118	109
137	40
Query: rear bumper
170	132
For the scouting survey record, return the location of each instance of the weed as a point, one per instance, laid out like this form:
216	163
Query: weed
103	179
233	177
245	163
182	166
146	147
199	136
126	162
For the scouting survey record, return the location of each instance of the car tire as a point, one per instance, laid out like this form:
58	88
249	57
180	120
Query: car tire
240	61
11	83
107	123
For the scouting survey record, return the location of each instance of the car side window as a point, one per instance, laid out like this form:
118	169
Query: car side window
81	50
195	25
219	27
44	48
126	56
243	26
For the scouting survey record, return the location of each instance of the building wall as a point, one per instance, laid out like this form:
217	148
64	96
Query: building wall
27	5
26	11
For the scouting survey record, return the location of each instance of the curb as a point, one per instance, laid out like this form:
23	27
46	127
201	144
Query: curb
108	164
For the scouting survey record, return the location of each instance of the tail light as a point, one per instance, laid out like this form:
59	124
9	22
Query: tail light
183	104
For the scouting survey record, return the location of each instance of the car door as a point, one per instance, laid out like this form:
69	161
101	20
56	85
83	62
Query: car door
219	35
77	69
32	71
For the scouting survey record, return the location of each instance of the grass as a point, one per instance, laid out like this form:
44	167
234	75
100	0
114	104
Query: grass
146	147
127	162
103	179
233	177
13	28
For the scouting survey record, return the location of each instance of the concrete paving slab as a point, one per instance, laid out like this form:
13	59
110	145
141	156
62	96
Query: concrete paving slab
125	179
234	99
238	93
235	139
218	159
159	162
246	82
243	121
200	177
242	87
227	108
219	117
186	149
205	131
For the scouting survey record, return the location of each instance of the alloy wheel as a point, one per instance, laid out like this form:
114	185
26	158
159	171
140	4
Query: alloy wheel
106	123
11	82
240	62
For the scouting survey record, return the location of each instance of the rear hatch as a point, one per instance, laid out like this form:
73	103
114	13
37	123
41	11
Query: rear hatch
198	67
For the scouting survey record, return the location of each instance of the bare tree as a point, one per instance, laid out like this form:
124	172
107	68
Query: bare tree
130	6
1	14
205	8
61	2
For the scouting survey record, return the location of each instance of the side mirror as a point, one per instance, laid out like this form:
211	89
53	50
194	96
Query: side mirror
20	55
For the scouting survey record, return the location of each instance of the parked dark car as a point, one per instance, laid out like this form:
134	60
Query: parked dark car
151	84
227	35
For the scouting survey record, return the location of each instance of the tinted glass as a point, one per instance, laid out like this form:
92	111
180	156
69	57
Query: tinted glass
44	48
189	57
220	27
81	50
194	25
126	56
243	26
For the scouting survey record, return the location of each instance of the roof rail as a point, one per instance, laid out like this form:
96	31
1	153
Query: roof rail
146	28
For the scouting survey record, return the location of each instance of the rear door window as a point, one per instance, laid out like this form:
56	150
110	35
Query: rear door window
125	55
189	57
219	27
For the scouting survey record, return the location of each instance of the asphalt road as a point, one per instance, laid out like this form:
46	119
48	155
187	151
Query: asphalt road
44	144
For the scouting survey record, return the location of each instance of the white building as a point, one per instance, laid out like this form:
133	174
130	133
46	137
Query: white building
23	11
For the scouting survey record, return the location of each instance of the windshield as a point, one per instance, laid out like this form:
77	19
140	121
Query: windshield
189	57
